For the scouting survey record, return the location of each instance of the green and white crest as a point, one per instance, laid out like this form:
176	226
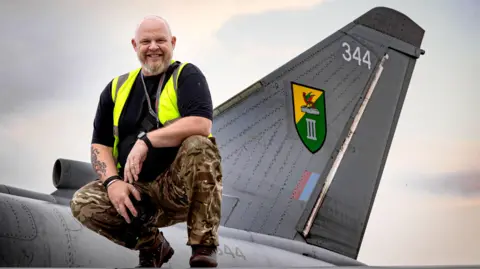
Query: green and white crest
309	115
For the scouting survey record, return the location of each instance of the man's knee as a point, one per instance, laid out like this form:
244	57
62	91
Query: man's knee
88	201
197	141
198	145
80	207
201	154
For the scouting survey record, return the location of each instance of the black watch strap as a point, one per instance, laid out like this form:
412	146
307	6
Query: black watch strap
147	141
110	179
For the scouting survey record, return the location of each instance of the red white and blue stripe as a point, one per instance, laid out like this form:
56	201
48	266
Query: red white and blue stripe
305	186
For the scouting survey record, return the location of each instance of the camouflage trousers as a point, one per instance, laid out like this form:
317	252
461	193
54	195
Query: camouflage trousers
190	190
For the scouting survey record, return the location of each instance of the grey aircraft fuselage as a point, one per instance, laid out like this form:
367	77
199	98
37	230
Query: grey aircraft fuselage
43	234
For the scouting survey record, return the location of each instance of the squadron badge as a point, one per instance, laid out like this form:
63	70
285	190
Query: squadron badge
309	115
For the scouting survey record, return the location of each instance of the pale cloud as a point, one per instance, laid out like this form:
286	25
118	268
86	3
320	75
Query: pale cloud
433	155
35	140
193	22
210	15
456	187
234	70
412	228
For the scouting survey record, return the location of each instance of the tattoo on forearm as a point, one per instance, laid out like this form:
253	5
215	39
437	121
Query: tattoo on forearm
99	166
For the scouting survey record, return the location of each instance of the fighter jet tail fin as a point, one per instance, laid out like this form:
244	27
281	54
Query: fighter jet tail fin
304	148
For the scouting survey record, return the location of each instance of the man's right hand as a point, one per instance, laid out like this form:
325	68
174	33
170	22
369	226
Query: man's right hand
119	192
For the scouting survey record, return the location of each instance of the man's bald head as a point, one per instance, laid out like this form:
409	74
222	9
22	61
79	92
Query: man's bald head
154	44
153	19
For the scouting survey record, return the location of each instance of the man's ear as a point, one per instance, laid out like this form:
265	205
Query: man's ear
134	44
174	41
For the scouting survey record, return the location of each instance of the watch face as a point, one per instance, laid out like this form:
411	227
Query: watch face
141	134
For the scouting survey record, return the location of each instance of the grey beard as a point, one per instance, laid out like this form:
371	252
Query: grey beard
153	71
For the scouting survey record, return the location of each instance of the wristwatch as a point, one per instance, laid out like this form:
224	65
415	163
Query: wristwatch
143	136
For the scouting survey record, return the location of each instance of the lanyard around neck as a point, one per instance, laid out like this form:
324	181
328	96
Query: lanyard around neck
159	89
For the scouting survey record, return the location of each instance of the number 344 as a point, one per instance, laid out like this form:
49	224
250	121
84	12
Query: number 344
356	55
228	251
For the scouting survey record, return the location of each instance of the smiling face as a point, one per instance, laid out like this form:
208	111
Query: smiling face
154	45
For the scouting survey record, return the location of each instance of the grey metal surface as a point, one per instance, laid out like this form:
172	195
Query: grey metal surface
59	203
71	174
16	223
394	24
342	219
40	234
263	158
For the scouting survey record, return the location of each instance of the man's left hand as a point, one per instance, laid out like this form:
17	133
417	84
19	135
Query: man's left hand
134	162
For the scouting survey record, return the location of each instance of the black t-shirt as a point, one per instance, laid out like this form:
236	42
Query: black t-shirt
193	99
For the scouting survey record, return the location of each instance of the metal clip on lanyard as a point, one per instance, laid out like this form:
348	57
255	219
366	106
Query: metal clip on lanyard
159	89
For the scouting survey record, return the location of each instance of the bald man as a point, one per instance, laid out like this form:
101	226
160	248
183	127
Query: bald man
156	161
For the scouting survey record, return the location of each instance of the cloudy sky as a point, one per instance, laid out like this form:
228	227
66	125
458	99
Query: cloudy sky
57	56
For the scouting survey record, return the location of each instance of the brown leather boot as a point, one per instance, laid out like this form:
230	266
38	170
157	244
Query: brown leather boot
156	256
203	256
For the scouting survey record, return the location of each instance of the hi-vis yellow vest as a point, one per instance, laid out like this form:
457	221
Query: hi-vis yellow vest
167	105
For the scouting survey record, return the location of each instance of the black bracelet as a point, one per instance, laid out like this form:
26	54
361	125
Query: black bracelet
110	179
147	141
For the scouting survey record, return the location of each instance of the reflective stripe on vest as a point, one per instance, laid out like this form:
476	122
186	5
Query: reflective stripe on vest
167	105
